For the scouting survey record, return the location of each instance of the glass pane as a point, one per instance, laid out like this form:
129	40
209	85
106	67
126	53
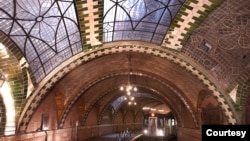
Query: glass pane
42	29
143	20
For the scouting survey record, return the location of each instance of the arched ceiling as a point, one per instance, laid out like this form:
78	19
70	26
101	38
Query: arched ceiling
78	50
138	20
155	79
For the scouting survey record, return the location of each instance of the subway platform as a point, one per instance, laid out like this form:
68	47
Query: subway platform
116	137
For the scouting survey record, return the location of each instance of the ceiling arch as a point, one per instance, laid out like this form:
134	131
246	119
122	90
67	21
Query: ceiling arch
145	97
15	87
107	87
208	39
174	61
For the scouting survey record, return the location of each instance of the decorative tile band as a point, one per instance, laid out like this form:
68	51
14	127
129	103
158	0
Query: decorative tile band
88	14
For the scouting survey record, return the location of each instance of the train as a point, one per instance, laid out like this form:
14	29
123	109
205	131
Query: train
158	126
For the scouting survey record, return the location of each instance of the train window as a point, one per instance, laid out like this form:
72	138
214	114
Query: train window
152	121
161	123
145	123
169	122
173	122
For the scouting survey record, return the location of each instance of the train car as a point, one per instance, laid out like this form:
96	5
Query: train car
156	125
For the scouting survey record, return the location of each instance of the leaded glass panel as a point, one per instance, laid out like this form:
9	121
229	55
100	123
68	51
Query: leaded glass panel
46	31
143	20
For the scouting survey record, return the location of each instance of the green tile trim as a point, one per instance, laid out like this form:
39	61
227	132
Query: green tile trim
17	77
198	20
83	23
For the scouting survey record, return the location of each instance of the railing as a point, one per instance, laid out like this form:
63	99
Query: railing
75	133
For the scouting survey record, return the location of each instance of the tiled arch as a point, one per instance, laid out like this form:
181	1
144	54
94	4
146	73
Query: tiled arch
2	116
16	76
70	105
155	92
70	64
175	111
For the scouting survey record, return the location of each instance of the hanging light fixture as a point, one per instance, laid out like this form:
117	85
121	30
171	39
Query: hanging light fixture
129	88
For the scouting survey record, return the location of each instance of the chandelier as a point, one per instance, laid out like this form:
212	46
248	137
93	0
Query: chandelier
129	88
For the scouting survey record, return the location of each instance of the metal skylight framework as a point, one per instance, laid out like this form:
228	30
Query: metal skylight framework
46	31
142	20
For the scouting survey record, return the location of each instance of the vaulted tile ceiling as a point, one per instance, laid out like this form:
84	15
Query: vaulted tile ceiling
208	39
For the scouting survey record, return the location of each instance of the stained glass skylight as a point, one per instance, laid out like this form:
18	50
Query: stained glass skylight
141	20
46	31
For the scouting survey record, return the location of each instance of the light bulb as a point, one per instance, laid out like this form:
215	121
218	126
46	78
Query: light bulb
129	93
129	87
135	89
121	88
132	98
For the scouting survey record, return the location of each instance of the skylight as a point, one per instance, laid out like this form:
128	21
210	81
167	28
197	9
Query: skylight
141	20
46	31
